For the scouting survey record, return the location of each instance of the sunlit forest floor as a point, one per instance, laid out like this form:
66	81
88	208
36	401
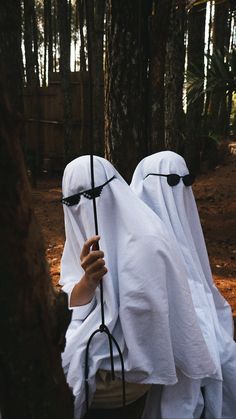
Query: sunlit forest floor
215	192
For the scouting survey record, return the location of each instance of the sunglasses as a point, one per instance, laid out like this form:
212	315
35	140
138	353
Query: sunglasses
173	179
89	194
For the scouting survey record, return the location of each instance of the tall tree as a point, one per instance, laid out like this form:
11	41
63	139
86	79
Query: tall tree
35	40
125	84
10	52
34	157
48	40
32	383
80	8
196	45
55	34
50	36
221	40
75	31
45	61
30	43
95	29
65	37
84	143
208	52
159	21
30	362
174	78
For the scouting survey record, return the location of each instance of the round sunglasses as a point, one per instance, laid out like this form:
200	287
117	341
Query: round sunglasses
173	179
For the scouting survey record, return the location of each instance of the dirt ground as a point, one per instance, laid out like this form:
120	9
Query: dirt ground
215	193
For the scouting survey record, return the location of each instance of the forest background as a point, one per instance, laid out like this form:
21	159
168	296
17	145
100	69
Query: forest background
137	76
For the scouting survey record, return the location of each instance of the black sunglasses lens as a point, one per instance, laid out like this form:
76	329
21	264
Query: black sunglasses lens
71	200
173	179
188	180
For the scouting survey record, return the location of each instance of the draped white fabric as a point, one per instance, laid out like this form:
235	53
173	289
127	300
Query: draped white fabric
177	209
148	305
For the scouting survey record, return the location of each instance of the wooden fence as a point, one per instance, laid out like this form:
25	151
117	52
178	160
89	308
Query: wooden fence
44	120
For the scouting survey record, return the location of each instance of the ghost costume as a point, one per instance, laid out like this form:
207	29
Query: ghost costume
177	209
147	301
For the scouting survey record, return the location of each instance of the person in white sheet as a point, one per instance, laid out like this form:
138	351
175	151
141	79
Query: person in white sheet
163	182
147	301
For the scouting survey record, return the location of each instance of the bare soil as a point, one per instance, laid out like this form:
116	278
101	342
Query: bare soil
215	193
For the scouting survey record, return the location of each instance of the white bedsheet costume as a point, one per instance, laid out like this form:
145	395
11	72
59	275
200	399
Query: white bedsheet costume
148	305
177	209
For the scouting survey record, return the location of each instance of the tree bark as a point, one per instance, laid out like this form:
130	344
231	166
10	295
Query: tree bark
196	35
10	52
95	24
32	76
30	44
45	41
221	31
159	21
174	78
64	33
125	84
35	42
55	36
221	40
80	8
48	41
32	383
210	27
50	36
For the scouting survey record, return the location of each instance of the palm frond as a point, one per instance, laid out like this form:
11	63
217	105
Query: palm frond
221	76
192	3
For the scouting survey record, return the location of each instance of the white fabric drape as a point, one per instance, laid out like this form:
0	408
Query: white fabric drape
177	209
148	305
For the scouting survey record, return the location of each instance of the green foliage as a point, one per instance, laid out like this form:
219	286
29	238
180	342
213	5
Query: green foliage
222	72
221	76
195	84
192	3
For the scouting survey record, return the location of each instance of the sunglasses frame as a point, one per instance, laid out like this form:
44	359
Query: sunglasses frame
89	194
175	178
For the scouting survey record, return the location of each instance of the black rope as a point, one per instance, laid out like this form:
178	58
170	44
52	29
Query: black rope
103	328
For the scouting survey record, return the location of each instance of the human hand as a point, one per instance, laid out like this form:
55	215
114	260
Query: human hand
92	262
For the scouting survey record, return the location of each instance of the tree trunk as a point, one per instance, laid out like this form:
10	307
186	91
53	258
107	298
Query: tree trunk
159	21
48	41
45	41
35	42
125	84
50	37
210	31
221	40
32	75
64	31
95	24
80	8
10	52
55	35
32	383
30	56
221	32
196	35
174	79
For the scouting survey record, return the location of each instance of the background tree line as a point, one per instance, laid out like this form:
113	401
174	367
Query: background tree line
163	72
162	76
